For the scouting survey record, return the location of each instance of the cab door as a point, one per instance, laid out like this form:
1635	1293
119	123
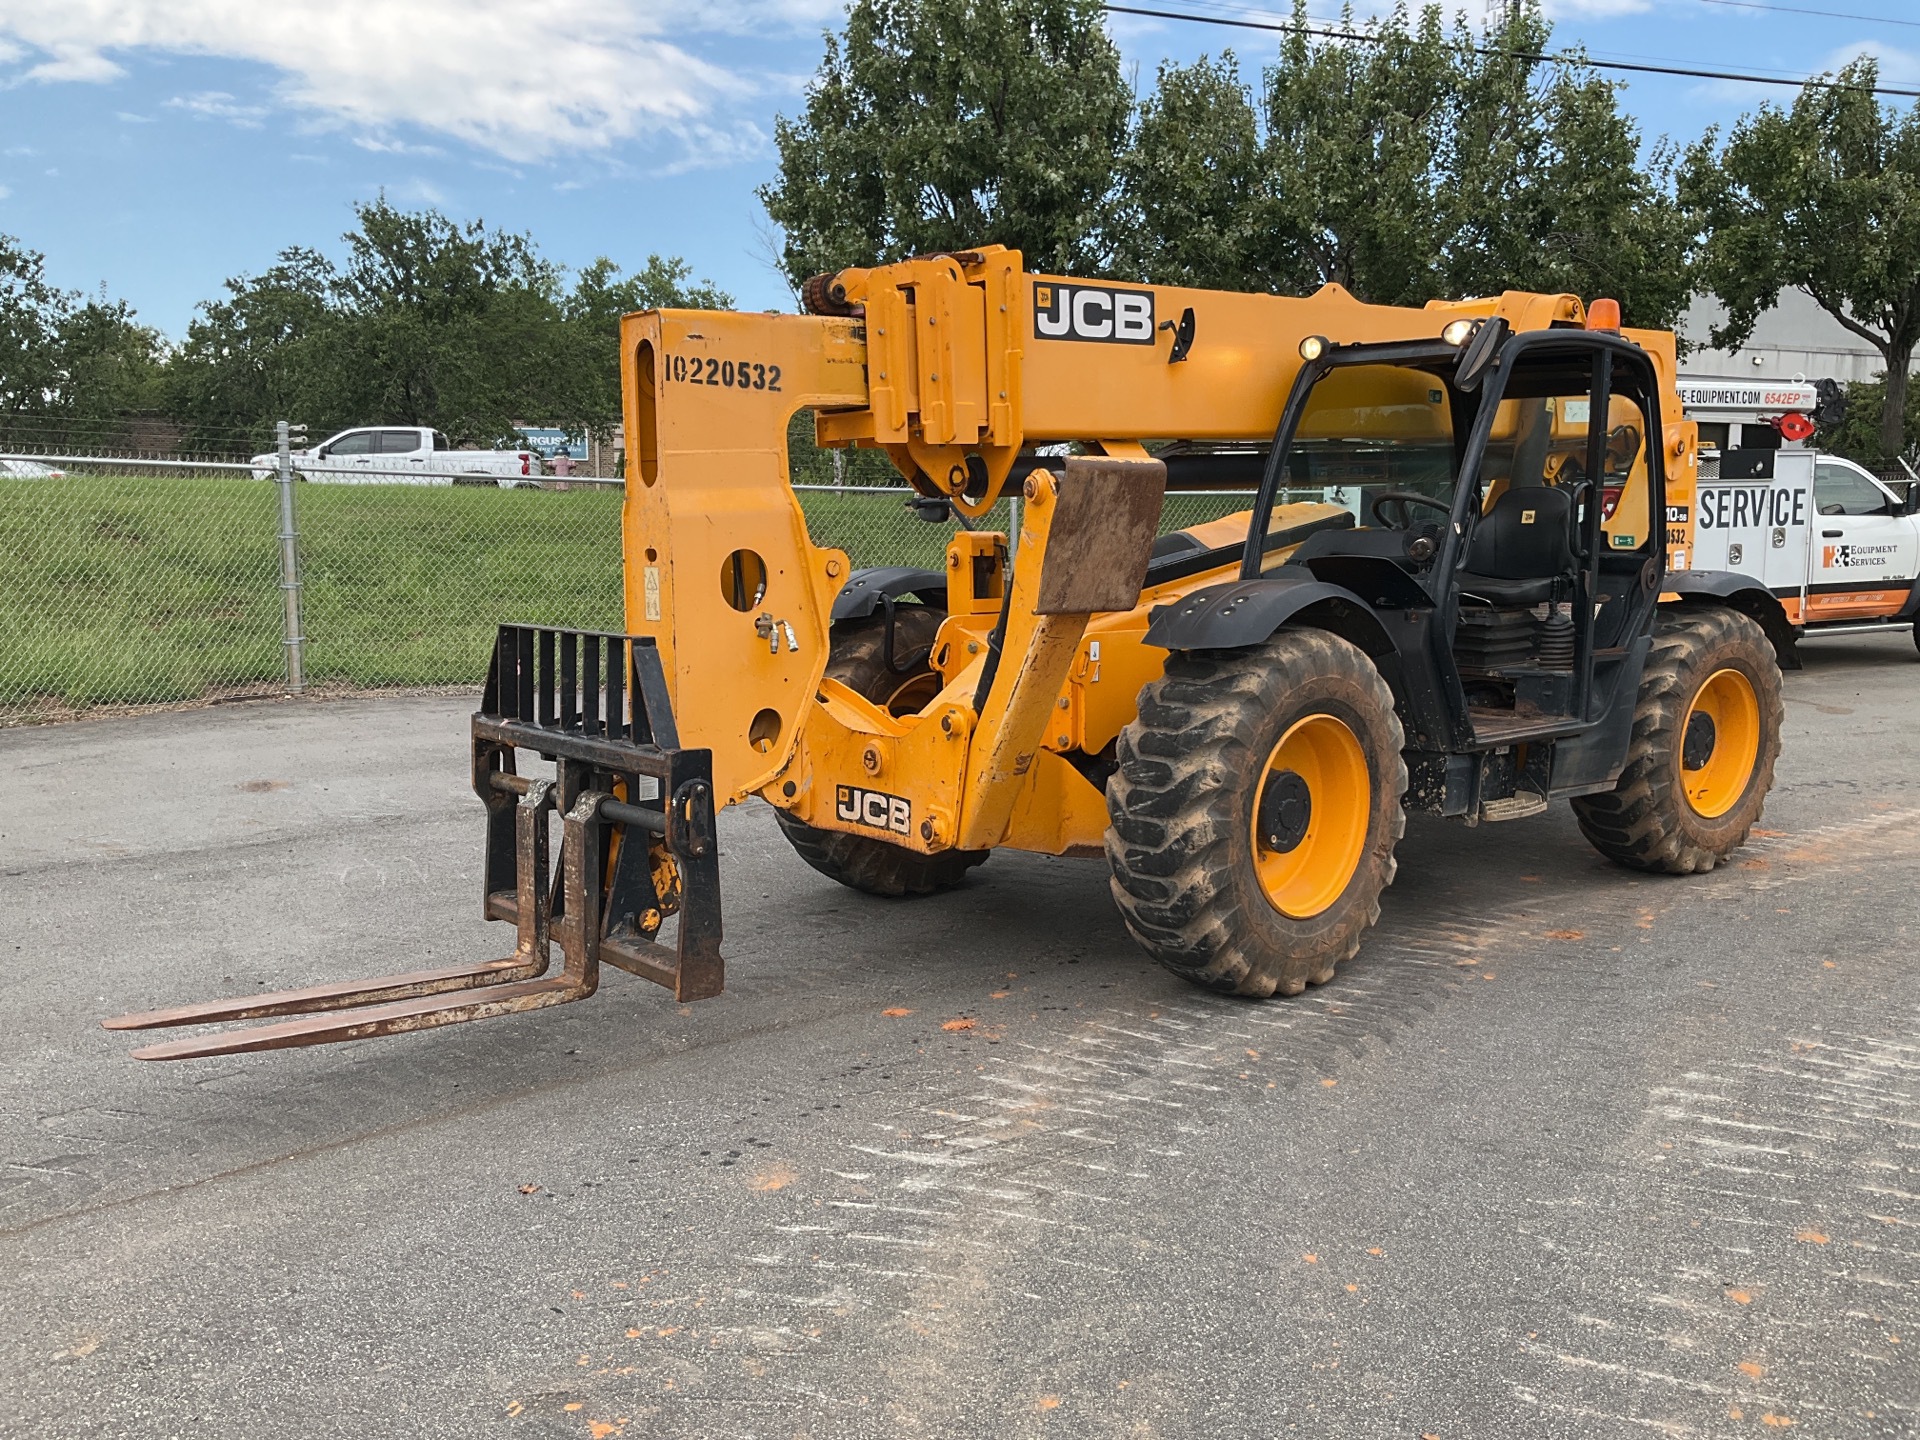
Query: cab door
400	450
1864	554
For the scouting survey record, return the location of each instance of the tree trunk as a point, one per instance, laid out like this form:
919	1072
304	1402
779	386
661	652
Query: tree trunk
1893	412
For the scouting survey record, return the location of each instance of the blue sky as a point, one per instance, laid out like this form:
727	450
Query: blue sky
157	148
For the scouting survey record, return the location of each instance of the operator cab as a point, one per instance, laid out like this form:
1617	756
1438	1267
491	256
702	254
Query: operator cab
1497	514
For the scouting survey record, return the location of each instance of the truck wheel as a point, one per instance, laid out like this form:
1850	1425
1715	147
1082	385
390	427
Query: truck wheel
859	662
1706	734
1254	812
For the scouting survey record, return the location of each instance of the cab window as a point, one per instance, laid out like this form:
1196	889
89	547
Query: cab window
1842	490
399	442
358	442
1368	430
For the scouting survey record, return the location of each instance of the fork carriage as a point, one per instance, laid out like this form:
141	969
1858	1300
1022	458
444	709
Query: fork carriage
637	847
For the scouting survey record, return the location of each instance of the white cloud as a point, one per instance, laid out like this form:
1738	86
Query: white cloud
219	105
523	81
4	192
395	147
1595	9
1897	66
132	119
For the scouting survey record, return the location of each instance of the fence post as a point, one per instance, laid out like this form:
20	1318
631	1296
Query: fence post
1013	524
290	564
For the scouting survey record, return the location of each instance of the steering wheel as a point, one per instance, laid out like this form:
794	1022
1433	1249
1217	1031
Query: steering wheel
1402	502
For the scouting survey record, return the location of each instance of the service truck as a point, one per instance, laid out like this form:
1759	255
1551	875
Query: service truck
404	455
1837	546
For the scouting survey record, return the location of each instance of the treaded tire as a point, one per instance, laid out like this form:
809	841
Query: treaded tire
1645	821
1181	806
858	661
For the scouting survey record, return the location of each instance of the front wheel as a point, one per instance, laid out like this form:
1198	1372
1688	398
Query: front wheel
1254	812
1706	736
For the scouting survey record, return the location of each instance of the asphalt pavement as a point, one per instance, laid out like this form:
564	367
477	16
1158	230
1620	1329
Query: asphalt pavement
1566	1151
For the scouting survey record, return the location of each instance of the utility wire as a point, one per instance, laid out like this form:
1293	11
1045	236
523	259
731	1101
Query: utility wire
1822	14
1562	57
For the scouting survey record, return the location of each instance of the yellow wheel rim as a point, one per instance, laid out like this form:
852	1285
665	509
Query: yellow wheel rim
1719	743
1310	813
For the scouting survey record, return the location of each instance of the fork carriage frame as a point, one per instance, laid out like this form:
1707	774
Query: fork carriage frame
596	706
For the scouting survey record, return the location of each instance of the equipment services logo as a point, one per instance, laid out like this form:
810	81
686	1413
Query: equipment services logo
1841	557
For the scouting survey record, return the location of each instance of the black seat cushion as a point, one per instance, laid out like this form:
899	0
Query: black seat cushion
1521	546
1496	591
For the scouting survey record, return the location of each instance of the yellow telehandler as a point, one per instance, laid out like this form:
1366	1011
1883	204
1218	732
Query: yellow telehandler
1449	594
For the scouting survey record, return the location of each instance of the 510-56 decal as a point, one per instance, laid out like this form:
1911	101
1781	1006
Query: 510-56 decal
729	374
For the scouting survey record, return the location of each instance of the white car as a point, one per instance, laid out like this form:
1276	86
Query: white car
404	455
29	470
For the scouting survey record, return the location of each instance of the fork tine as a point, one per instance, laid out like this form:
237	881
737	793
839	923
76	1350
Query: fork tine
420	1013
346	995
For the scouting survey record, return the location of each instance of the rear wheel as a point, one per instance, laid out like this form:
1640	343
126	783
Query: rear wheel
1706	736
860	662
1255	810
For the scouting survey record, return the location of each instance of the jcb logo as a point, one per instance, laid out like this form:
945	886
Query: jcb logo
872	807
1093	312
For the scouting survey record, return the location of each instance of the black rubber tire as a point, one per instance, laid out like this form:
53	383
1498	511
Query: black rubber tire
1180	806
858	661
1645	822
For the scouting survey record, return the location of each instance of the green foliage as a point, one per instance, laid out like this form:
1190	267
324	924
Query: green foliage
1824	196
1424	164
427	321
1858	436
70	366
941	124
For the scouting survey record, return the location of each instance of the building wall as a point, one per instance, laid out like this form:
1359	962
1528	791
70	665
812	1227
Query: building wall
1796	338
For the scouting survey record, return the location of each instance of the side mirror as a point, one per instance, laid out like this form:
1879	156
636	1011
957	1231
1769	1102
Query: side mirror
1482	350
1910	502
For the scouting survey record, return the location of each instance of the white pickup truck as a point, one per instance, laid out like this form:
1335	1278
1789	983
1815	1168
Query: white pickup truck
404	455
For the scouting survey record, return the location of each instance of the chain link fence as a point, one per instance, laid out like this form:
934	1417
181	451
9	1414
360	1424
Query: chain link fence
129	581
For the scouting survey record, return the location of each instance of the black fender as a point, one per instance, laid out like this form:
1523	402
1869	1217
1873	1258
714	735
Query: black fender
867	590
1737	592
1244	613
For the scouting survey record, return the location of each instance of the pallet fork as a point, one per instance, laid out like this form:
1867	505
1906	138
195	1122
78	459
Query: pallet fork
596	705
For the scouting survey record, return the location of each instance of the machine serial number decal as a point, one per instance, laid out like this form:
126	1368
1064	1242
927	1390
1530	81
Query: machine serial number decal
873	807
728	374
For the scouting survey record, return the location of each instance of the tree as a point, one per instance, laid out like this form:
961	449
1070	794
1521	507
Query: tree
1546	188
426	321
1858	435
70	366
1826	197
1406	163
253	357
941	124
31	314
592	311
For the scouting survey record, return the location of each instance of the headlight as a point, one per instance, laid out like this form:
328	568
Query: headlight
1313	347
1457	332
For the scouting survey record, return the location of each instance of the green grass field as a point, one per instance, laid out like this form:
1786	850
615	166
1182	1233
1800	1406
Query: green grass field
135	590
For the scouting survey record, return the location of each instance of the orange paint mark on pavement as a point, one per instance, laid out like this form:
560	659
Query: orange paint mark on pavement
775	1177
897	1011
965	1022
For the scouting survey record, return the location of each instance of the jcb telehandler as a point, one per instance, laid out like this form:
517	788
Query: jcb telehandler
1237	715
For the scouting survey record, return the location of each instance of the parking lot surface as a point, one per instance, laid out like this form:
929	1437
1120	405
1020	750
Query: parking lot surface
1566	1151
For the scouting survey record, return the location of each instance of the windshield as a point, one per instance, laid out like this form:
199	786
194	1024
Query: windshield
1368	430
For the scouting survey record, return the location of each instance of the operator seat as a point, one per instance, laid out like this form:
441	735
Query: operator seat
1521	548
